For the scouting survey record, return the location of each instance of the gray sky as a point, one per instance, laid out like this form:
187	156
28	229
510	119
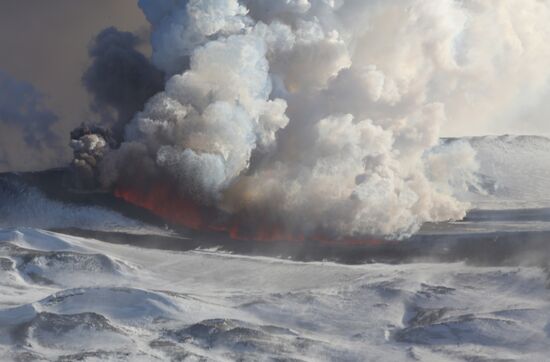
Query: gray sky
45	43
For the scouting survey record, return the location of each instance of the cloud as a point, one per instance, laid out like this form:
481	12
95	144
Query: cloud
26	125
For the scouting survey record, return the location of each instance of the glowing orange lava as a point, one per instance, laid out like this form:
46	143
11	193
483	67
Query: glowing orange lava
164	202
161	199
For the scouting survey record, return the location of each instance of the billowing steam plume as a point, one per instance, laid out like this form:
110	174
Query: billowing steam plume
320	118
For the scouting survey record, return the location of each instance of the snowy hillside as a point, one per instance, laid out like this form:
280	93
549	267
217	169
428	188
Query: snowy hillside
25	204
514	171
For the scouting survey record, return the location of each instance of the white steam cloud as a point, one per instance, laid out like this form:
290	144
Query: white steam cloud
325	115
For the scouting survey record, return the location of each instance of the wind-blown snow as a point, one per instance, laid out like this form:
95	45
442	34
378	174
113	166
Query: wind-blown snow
126	303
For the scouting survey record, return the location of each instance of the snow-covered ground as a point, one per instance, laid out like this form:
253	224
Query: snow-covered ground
68	298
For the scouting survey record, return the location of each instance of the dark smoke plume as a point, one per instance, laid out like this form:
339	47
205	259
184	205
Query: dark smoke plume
89	144
120	78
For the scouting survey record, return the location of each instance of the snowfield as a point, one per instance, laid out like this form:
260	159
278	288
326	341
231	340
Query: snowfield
130	289
67	298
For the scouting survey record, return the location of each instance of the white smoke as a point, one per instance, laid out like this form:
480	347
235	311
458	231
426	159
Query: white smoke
324	115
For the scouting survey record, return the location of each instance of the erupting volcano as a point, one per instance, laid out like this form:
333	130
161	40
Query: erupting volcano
292	119
275	180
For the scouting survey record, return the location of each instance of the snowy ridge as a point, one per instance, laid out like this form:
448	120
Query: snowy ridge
26	206
126	304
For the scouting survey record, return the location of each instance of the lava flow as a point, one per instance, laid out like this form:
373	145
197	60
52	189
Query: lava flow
161	200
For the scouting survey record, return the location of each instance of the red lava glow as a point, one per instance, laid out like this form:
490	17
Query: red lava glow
161	199
164	202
